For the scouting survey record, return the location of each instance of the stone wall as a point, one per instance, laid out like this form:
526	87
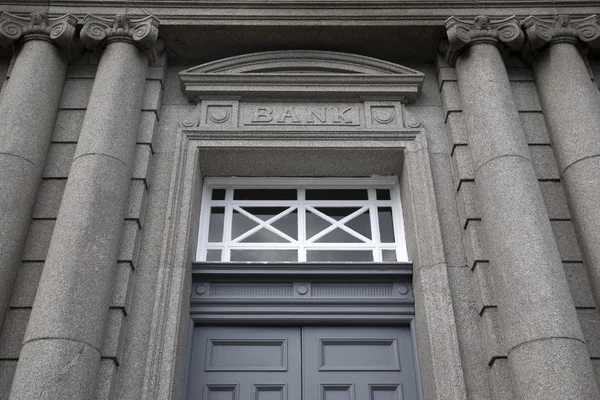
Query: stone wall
76	93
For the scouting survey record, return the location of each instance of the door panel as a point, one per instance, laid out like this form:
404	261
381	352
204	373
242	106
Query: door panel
358	363
245	363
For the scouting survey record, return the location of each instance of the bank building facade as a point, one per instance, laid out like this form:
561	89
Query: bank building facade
299	200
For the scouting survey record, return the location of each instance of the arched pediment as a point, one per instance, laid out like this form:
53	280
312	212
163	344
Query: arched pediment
301	74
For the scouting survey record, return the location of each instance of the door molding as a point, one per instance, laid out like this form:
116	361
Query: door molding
228	137
300	293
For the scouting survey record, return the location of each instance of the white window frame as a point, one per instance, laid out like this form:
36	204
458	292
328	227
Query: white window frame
371	184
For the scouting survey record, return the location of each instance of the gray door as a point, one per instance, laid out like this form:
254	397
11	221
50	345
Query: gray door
310	363
245	363
358	363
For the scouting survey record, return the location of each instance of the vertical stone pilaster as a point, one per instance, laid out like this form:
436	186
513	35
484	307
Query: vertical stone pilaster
62	346
27	113
571	106
546	351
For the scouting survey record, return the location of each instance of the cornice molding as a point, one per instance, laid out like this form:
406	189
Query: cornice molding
301	74
59	31
143	33
463	34
562	29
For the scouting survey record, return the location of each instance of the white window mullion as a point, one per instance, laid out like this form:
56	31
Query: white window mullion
374	224
227	222
301	225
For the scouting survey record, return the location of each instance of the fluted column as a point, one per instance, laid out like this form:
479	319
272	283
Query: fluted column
571	106
60	357
546	351
27	113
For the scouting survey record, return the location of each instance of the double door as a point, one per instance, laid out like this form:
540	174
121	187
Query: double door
302	363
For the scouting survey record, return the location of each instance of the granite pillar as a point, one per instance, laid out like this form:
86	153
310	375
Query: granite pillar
61	354
27	111
547	354
571	106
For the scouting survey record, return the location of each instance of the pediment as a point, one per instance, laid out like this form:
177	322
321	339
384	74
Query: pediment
301	74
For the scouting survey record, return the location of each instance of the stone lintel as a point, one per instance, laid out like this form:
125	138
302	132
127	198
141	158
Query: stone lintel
463	34
143	33
59	31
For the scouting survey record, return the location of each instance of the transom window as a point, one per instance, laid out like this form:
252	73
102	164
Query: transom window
301	220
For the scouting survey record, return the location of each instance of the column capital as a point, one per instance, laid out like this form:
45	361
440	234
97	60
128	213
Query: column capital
59	30
142	32
561	29
462	34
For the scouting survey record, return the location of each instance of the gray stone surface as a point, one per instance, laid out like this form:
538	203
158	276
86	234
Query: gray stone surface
38	240
7	372
544	162
71	309
455	126
580	285
531	288
500	380
13	332
106	380
122	288
468	207
562	377
49	197
76	94
68	125
556	202
27	111
58	162
474	243
26	284
462	167
566	241
450	98
484	286
136	207
56	369
572	110
535	127
493	341
590	324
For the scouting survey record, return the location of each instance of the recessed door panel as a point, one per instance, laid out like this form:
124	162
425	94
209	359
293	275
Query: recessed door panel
245	363
351	362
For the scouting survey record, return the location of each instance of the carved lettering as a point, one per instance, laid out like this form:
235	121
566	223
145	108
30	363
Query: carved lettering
319	113
339	115
262	115
301	114
288	113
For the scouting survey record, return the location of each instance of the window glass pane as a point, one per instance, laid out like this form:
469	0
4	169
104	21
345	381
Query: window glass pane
240	224
265	194
388	255
361	224
215	226
218	194
268	255
264	236
386	224
288	224
338	236
314	224
213	255
383	194
339	255
337	213
337	194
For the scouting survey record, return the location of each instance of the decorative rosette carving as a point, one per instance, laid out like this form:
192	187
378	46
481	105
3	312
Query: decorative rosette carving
59	31
562	29
462	34
141	32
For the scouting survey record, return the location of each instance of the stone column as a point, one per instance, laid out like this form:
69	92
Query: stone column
571	106
547	354
27	113
63	342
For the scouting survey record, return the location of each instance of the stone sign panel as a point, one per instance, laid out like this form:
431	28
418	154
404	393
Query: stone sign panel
286	116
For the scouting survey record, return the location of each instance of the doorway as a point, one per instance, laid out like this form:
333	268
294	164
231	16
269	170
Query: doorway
302	363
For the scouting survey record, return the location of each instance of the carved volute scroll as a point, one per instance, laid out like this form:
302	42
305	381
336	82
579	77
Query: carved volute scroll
462	34
59	31
561	29
141	32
